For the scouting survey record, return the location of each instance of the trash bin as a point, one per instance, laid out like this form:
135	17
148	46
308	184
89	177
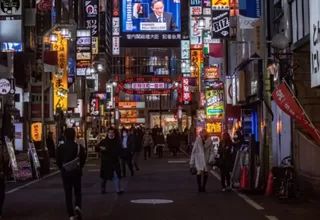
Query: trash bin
44	162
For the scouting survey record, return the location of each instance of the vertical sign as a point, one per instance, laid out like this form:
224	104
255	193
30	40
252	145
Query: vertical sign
220	19
83	53
115	45
91	9
115	27
196	56
60	77
185	57
94	107
186	93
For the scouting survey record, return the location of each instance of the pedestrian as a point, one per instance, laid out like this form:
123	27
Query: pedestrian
127	146
110	169
70	158
225	160
4	161
51	149
160	143
137	148
147	143
201	155
175	142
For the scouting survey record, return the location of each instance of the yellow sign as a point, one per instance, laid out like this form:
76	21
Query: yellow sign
36	131
196	57
221	4
60	78
95	45
214	127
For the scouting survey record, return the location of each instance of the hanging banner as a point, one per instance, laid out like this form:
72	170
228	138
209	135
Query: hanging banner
186	98
60	77
220	24
288	103
250	12
91	19
196	56
215	104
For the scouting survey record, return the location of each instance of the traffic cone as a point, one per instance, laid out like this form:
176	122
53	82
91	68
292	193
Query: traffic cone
243	179
269	184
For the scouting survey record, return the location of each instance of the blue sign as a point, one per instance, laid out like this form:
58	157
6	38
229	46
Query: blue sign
71	67
196	2
250	8
152	16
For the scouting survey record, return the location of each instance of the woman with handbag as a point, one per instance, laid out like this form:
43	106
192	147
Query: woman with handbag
225	160
200	158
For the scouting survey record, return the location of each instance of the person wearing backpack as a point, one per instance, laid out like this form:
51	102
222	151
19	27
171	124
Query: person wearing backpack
70	158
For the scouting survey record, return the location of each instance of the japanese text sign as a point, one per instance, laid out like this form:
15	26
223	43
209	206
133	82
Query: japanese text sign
186	93
211	73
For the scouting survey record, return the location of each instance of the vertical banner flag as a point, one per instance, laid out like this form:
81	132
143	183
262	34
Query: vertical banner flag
60	77
91	9
288	103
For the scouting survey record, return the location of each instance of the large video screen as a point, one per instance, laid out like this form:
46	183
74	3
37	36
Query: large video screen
151	16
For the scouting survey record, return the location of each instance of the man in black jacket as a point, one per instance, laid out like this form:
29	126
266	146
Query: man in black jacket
66	152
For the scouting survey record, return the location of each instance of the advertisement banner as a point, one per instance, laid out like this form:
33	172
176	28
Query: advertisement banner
196	10
220	4
211	72
220	24
214	127
250	12
11	8
228	90
91	19
94	107
215	104
287	102
196	57
151	16
314	6
60	77
195	34
186	93
83	53
185	49
115	26
115	45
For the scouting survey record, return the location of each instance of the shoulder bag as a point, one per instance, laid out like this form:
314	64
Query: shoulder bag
73	164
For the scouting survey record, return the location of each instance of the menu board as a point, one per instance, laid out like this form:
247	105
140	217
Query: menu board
34	157
12	155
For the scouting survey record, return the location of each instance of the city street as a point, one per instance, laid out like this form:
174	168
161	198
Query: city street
160	180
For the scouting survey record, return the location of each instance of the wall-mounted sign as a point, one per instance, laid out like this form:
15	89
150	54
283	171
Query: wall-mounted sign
10	8
60	77
128	120
195	2
7	86
115	8
186	93
195	33
211	73
115	26
213	84
196	10
36	131
150	85
220	24
220	4
115	45
94	107
196	58
206	3
130	113
11	47
228	90
314	43
127	104
83	53
215	104
214	127
91	19
185	49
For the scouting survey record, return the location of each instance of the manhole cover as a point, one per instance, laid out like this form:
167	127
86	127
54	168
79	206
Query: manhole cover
177	161
151	201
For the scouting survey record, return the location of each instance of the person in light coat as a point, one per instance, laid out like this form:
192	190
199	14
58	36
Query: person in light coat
201	155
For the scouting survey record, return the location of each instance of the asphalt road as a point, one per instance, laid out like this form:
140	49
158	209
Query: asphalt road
166	179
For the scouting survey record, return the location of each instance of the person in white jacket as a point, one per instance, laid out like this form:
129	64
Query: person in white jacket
201	155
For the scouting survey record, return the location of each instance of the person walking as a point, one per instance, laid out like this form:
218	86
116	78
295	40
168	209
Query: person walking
225	160
71	158
4	161
110	169
137	147
175	142
127	141
201	157
147	143
160	143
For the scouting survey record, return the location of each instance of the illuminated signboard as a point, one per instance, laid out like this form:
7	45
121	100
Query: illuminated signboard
211	73
148	85
130	113
60	77
83	53
196	58
214	127
91	19
127	104
220	4
186	93
152	17
36	131
94	107
214	104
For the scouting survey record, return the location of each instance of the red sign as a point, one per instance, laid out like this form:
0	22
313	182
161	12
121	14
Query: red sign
44	5
150	85
286	101
211	73
186	93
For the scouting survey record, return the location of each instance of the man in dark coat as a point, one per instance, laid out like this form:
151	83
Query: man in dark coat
4	161
138	135
110	151
127	146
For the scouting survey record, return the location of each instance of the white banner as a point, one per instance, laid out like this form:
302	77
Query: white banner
185	49
246	22
153	26
115	26
115	45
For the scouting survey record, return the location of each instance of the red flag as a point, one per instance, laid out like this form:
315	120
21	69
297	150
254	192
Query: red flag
286	101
